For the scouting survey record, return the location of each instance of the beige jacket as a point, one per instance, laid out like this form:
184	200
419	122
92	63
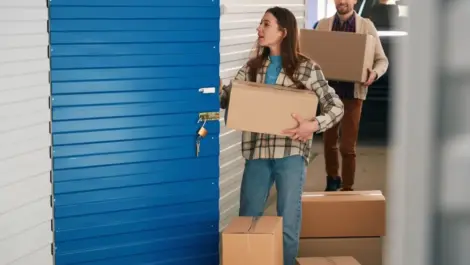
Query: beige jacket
364	26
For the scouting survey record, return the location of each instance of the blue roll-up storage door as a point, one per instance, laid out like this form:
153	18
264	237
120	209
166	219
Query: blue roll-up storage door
128	187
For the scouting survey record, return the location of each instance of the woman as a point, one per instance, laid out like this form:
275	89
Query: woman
274	159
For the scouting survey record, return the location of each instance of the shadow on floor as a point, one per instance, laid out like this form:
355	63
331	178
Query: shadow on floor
371	170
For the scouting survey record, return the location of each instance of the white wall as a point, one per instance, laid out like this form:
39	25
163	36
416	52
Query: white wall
238	24
325	8
25	188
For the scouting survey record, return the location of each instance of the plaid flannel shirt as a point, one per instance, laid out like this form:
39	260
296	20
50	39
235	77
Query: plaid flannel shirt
266	146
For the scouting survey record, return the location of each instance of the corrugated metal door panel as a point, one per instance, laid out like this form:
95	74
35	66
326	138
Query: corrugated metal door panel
25	164
128	187
238	35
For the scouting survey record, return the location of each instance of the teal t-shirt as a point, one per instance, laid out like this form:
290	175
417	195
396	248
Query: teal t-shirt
274	69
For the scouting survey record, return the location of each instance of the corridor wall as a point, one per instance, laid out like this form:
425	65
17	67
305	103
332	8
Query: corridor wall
25	164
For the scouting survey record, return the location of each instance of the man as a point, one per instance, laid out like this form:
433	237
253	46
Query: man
352	95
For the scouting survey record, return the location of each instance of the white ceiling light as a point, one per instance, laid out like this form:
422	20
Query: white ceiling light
391	33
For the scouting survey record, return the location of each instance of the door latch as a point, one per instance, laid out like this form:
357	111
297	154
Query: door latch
209	116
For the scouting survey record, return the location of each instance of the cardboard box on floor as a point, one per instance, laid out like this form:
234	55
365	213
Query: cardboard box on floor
343	56
343	214
367	251
268	109
253	241
327	261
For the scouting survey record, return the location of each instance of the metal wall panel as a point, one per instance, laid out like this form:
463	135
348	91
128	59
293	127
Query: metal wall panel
25	164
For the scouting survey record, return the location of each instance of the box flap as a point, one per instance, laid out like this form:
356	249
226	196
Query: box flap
253	225
366	250
373	195
328	261
247	84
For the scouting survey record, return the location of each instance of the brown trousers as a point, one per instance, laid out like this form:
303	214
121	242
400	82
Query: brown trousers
349	131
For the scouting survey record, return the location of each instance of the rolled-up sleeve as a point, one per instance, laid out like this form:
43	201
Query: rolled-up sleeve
226	89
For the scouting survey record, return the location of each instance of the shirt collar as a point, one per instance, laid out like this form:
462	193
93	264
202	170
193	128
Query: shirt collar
276	58
351	21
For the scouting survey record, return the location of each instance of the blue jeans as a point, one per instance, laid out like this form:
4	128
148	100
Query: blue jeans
289	175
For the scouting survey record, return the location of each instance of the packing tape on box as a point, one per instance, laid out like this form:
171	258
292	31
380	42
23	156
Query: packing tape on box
330	261
277	87
254	222
343	194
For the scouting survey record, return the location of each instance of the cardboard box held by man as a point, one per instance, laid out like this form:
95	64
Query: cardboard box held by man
339	63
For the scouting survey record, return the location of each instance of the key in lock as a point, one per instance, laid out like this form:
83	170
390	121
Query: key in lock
201	133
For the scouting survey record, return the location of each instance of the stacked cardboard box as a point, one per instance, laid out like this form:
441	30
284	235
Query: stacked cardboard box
259	240
343	224
328	261
253	241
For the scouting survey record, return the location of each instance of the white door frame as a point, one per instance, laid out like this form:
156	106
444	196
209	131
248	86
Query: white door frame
412	175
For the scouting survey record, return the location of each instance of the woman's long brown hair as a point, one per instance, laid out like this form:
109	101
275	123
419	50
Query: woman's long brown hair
290	49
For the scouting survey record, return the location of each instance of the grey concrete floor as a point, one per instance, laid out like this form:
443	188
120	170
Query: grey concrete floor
371	171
